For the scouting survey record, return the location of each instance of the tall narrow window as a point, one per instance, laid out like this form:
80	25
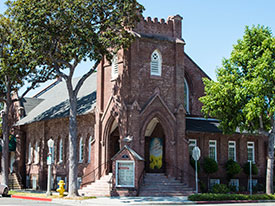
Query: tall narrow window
81	150
232	150
192	144
250	151
60	150
90	148
186	96
36	153
30	153
156	62
213	149
115	67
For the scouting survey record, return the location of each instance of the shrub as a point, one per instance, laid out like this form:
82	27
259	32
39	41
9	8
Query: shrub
246	169
232	168
218	197
192	163
209	165
220	188
203	187
232	188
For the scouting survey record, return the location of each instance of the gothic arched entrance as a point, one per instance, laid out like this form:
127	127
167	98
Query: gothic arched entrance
154	147
113	143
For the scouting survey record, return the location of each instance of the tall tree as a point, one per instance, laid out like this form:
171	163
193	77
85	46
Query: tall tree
65	32
16	69
243	96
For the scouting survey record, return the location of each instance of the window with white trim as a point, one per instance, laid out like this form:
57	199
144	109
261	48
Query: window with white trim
30	153
186	96
213	182
60	150
156	63
232	150
81	150
192	144
254	183
115	67
36	153
235	183
250	151
213	149
53	153
90	148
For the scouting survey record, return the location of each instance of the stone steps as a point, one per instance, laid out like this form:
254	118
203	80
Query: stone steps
157	184
14	182
101	187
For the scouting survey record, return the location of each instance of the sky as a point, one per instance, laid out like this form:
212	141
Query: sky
209	27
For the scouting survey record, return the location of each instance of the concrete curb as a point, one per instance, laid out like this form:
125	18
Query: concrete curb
32	198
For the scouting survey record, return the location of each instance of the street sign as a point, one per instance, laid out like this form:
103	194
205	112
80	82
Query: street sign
196	153
49	160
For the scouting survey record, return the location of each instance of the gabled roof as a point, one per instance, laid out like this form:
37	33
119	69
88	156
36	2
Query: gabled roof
132	152
200	125
54	103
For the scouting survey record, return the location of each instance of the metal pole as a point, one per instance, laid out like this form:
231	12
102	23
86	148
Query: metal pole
49	193
250	177
196	165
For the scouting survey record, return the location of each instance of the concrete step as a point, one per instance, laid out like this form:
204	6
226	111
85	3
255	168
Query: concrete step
157	184
101	187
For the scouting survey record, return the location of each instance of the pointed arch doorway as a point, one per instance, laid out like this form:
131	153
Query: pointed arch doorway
113	143
154	147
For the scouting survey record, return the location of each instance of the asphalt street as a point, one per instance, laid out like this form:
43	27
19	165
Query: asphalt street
111	201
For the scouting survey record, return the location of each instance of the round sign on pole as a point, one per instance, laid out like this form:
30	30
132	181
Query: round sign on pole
196	153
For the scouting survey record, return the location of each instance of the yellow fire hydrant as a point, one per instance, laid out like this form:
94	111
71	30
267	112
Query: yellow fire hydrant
61	189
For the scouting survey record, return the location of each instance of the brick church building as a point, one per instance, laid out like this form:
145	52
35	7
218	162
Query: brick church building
139	117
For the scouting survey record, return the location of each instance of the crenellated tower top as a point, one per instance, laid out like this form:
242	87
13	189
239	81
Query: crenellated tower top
172	27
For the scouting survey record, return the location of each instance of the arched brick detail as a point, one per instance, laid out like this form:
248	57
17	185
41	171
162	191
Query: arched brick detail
169	131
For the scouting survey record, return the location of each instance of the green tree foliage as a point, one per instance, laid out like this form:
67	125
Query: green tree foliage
243	96
63	33
209	165
17	67
246	169
232	168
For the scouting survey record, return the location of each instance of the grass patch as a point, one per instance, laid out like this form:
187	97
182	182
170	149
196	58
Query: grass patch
43	195
219	197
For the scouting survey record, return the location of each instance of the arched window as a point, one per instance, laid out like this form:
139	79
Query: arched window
186	96
115	67
60	150
156	62
30	153
36	153
81	150
90	148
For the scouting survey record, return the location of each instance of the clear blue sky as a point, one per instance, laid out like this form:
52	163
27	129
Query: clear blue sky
210	27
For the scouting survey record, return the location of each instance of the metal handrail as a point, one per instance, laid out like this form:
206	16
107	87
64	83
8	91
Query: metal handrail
181	171
96	173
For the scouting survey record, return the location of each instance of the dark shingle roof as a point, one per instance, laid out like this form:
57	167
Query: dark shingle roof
54	103
199	125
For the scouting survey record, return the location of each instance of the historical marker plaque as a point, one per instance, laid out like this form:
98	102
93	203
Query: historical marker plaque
125	174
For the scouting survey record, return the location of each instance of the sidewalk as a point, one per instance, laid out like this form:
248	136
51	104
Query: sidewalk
177	200
128	201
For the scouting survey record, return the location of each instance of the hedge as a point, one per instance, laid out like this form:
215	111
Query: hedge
218	197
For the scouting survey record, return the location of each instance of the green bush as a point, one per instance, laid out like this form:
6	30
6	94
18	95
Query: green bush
219	197
246	169
220	188
192	163
232	188
203	186
232	168
209	165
